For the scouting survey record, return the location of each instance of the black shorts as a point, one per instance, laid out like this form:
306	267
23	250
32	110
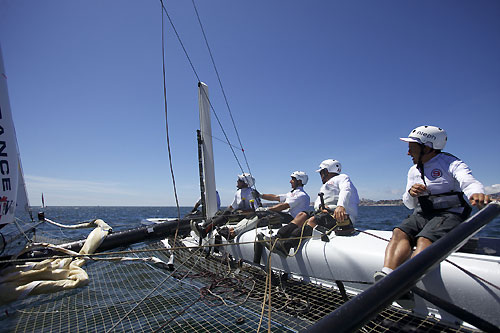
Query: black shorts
269	217
431	227
325	220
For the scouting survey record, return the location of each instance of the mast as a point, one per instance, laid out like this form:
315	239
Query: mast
207	151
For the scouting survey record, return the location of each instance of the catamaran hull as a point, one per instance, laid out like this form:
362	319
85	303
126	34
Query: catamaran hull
354	259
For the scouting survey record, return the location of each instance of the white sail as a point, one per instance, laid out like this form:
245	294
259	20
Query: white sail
10	168
22	193
207	152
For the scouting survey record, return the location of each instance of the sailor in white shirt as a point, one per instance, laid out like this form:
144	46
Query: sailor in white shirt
290	204
243	198
442	173
340	196
293	202
242	204
336	208
437	188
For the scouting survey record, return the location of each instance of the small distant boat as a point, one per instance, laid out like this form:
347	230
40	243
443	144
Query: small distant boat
153	221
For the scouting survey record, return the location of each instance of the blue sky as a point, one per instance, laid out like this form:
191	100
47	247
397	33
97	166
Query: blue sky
305	81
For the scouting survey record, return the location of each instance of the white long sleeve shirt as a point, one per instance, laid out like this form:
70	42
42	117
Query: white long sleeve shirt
339	191
297	199
443	173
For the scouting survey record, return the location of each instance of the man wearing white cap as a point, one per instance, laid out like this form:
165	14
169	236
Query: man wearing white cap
437	187
290	204
242	203
336	207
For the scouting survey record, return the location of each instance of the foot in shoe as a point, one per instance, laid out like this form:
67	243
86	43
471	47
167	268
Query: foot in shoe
265	240
280	248
379	275
203	233
232	234
199	231
194	227
226	233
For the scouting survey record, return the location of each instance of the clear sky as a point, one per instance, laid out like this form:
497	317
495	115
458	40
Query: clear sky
305	81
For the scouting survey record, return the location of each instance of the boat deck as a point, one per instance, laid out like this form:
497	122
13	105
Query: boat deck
201	294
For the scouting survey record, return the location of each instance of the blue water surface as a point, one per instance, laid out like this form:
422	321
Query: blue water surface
123	218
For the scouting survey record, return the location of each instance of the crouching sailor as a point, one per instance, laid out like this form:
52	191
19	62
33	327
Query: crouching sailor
290	204
336	208
437	185
241	205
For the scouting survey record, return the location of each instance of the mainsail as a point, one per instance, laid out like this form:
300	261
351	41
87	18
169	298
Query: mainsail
12	186
208	154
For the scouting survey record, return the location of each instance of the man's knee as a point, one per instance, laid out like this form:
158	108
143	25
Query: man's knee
311	222
300	218
398	235
423	242
301	215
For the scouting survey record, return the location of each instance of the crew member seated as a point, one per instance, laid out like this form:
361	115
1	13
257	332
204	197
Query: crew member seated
290	204
335	208
242	204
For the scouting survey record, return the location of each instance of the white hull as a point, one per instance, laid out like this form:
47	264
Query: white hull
356	258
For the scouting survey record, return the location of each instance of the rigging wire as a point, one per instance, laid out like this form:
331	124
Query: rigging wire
164	9
224	142
179	39
225	135
166	120
221	86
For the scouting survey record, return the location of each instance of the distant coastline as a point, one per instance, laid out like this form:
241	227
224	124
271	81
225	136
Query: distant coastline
368	202
399	202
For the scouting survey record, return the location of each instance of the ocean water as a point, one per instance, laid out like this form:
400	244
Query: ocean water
122	218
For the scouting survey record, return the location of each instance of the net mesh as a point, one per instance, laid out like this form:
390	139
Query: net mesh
203	293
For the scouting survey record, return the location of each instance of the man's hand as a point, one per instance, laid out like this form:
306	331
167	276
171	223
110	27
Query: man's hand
479	199
339	214
417	189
